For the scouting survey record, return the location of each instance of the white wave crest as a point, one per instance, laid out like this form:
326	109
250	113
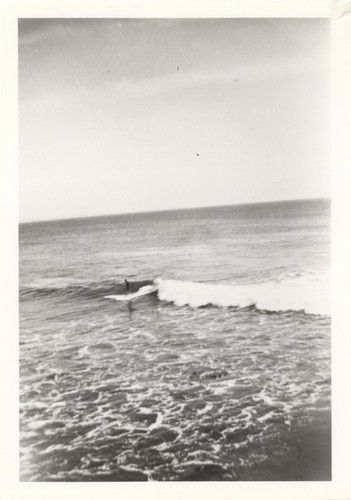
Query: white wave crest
309	294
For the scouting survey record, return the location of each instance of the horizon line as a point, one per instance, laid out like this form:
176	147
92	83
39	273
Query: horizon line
75	217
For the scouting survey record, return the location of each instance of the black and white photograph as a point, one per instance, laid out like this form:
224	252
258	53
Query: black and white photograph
175	214
174	249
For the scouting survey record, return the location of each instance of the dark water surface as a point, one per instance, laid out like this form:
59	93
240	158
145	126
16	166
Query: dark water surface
223	373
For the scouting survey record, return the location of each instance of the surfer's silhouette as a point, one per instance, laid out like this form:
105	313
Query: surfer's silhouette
126	282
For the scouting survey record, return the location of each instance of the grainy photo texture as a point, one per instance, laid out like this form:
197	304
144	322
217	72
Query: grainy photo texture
174	250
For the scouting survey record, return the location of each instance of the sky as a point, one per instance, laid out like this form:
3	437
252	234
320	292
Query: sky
130	115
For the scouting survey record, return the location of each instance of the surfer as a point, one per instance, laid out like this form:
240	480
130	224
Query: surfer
126	282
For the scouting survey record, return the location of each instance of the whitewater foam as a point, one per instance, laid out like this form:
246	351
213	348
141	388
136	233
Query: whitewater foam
306	294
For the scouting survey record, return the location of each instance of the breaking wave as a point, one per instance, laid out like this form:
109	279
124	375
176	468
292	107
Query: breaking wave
310	295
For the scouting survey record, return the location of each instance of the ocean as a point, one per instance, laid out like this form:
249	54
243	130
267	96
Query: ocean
222	373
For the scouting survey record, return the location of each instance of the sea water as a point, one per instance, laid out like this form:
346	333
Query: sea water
222	373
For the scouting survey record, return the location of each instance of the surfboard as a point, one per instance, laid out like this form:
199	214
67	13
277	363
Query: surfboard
145	290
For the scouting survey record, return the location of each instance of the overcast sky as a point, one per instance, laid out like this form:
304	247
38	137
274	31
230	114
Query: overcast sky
133	115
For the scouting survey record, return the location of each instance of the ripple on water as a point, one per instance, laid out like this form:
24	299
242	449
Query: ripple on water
101	349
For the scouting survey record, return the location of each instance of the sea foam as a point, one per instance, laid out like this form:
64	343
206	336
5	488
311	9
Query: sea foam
308	294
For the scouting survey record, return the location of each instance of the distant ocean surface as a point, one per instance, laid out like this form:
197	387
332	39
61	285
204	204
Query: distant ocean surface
222	373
